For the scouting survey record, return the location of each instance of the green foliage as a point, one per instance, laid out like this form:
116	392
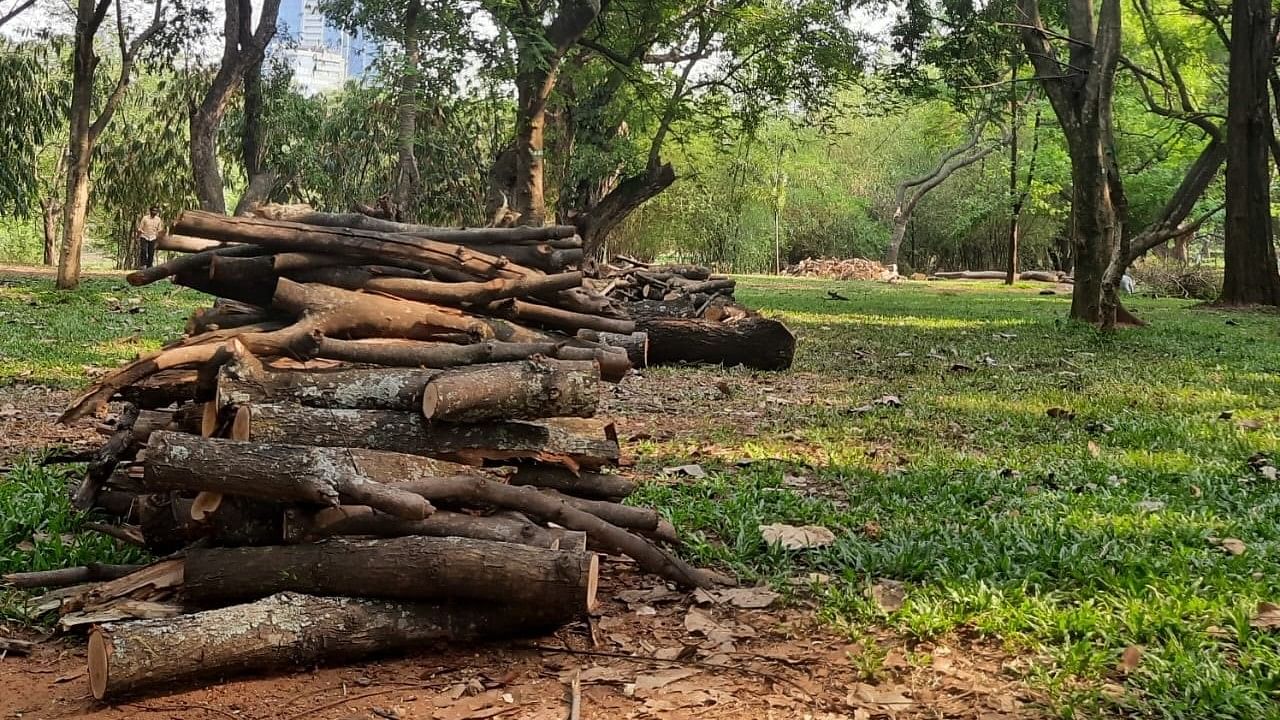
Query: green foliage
35	96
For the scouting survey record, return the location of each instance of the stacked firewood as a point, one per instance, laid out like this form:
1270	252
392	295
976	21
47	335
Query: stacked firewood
689	314
371	439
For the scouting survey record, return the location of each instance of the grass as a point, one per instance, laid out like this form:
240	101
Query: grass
1067	539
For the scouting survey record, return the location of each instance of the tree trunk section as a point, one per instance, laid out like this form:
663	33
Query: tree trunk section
245	381
759	343
288	630
297	473
413	567
536	388
636	344
1251	276
508	527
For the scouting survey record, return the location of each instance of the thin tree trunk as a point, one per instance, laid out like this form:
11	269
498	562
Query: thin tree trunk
1251	275
49	212
1015	207
407	176
79	151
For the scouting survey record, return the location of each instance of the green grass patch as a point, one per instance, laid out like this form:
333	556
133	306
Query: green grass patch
1068	539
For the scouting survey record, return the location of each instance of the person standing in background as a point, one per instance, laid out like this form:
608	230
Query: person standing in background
149	228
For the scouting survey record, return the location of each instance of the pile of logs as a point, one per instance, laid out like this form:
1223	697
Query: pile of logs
840	269
690	315
1048	276
349	457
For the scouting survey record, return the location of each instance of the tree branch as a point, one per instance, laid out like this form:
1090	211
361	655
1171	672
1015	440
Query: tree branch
128	52
21	8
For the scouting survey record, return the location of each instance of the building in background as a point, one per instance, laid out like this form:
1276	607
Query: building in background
321	56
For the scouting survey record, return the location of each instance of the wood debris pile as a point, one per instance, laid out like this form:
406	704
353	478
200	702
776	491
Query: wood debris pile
1048	276
378	435
840	269
689	314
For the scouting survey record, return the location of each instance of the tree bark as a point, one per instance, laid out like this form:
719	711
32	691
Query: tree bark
582	484
636	344
49	211
409	353
287	630
445	293
571	441
407	176
243	381
412	567
535	388
105	460
558	319
93	572
307	526
635	190
291	473
1251	276
461	236
759	343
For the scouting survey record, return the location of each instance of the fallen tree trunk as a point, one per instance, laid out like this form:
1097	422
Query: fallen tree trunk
297	473
574	442
535	388
759	343
288	630
63	577
509	527
462	236
636	344
583	484
414	567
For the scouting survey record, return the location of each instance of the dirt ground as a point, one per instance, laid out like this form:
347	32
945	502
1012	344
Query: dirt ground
649	651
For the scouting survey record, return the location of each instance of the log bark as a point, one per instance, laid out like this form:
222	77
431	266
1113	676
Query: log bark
542	256
67	576
636	344
161	390
409	353
535	388
444	293
188	263
188	244
287	630
557	318
533	502
759	343
463	236
222	317
583	484
509	527
105	460
414	567
244	381
573	442
323	476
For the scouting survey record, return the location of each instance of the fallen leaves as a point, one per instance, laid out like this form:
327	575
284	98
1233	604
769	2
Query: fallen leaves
890	595
1266	616
693	471
747	598
791	537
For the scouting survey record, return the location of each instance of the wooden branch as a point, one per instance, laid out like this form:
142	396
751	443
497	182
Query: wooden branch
583	484
558	319
67	576
410	353
287	631
462	236
105	460
454	294
302	525
636	344
535	388
188	263
288	473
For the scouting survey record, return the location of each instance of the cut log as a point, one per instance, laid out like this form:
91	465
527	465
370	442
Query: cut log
93	572
307	526
463	236
541	256
161	390
556	318
444	293
415	567
244	381
410	353
636	344
188	244
572	442
760	343
536	388
545	507
188	263
324	476
584	484
288	631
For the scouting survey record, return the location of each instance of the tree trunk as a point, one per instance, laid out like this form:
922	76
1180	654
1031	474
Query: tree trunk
532	389
407	176
759	343
288	631
1015	200
244	381
508	527
900	221
636	344
413	567
571	441
318	475
49	214
76	208
1251	276
599	220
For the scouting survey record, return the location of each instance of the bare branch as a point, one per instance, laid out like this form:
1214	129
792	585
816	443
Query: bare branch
21	8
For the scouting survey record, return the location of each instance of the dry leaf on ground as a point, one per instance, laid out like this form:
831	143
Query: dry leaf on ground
1266	617
693	471
890	595
794	537
1130	658
751	598
1233	546
662	678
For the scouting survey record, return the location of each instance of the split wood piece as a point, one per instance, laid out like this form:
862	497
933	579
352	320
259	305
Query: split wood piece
161	390
536	388
444	293
573	442
706	286
614	366
369	245
760	343
188	263
556	318
279	473
636	344
144	583
413	567
188	244
244	381
288	630
465	236
105	460
598	486
302	525
117	610
62	577
533	502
